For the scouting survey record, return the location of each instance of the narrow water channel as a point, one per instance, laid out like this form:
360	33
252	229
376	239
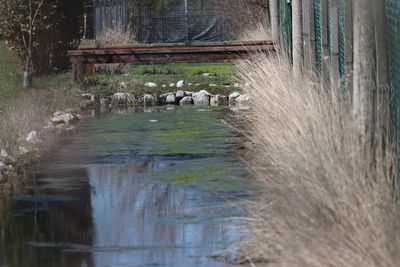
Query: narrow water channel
153	187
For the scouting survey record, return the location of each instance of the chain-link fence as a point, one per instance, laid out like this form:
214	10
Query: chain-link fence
165	20
108	14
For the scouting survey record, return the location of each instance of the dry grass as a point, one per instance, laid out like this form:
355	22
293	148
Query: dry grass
30	112
257	33
116	35
328	196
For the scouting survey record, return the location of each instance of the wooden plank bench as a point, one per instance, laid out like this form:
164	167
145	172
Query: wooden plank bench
85	57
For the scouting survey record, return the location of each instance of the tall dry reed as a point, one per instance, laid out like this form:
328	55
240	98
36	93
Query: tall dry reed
118	34
328	195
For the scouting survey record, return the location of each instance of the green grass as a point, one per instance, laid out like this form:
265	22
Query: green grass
22	110
136	76
10	76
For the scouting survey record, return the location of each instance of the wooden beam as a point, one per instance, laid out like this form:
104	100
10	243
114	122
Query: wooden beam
84	58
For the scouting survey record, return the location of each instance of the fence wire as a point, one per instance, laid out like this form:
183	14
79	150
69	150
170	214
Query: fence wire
164	20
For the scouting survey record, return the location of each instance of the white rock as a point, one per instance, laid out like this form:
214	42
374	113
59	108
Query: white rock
150	84
62	118
33	138
207	74
86	96
164	85
6	158
180	84
94	98
58	113
216	100
3	168
171	85
236	85
205	92
123	85
23	150
233	96
123	98
188	93
201	98
187	100
171	99
190	84
212	85
242	98
180	94
149	99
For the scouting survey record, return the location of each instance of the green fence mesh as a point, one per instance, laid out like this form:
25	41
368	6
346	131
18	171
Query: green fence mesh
318	35
329	29
342	44
285	20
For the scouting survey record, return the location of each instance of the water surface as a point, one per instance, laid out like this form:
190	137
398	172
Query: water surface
148	187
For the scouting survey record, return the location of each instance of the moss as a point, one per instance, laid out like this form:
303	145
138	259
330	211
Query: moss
183	178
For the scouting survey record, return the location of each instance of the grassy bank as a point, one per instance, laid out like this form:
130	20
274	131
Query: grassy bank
215	77
21	110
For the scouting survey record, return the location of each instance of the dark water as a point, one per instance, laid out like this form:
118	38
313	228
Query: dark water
156	187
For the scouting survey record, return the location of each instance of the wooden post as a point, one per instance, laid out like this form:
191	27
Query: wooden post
364	57
79	70
309	35
297	32
274	15
90	69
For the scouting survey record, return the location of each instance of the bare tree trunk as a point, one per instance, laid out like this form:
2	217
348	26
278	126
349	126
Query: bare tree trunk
274	15
364	57
27	83
297	38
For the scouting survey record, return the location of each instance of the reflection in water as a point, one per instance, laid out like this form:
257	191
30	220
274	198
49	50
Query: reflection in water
142	188
146	220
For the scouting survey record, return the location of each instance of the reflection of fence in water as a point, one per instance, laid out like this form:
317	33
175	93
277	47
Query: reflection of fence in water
191	20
